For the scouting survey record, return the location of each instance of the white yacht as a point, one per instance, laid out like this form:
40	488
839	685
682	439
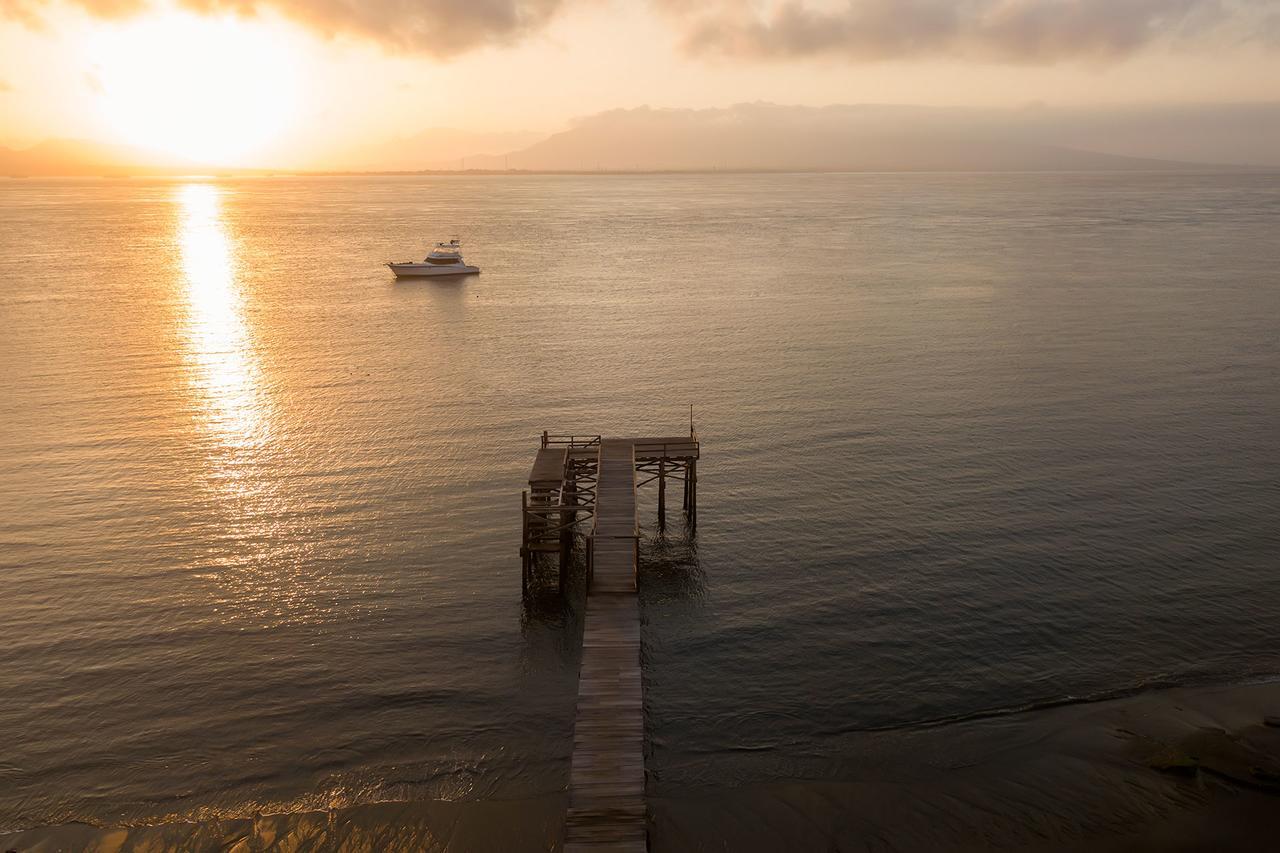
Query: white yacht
445	259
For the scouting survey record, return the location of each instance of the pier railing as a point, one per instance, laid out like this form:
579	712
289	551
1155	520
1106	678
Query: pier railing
570	441
683	448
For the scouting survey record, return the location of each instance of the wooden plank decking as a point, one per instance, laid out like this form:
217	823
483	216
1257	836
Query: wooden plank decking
548	468
606	784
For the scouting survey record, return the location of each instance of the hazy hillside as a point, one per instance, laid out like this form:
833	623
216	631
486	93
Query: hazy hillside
767	136
70	157
437	148
1239	134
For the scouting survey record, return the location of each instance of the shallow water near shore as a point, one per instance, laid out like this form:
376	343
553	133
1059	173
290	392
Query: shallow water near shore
974	445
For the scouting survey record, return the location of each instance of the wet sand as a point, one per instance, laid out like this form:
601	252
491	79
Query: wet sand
1182	769
419	826
1179	769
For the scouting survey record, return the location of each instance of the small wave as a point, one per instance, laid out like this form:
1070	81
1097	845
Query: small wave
1057	702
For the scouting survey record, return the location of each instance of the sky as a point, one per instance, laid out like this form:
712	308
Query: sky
299	82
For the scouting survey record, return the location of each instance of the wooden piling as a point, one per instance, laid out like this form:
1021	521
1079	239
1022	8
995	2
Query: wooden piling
693	494
566	533
684	496
524	540
662	494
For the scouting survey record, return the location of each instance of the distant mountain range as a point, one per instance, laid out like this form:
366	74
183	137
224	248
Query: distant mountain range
907	138
764	136
770	137
437	148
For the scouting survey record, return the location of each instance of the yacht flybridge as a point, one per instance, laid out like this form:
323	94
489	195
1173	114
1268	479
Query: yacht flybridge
445	259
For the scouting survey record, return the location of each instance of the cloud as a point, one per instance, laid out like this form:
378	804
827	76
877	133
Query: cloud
1015	31
439	28
28	11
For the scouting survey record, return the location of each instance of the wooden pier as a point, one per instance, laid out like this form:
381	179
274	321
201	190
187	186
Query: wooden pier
598	480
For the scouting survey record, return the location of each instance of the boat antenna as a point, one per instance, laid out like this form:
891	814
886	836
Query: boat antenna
691	420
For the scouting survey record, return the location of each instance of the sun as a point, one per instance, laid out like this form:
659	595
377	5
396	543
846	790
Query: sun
211	91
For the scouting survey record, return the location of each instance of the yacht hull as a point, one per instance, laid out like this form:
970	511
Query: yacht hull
431	270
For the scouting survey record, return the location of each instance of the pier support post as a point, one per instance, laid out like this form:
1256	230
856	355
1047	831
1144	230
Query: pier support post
692	485
684	497
566	533
662	494
524	543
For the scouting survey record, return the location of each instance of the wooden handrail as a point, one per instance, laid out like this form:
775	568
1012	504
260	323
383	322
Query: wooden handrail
665	447
570	440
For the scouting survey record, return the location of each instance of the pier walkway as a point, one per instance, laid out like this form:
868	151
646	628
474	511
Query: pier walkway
598	482
606	782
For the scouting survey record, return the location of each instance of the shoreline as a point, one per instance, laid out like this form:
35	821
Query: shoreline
1178	768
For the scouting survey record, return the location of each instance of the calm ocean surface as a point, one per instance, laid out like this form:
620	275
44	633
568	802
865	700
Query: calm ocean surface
971	443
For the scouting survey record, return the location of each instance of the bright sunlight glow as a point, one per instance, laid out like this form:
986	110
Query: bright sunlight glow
211	91
220	342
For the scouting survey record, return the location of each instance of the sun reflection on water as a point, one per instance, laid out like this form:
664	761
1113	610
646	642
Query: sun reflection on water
227	374
261	561
255	562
